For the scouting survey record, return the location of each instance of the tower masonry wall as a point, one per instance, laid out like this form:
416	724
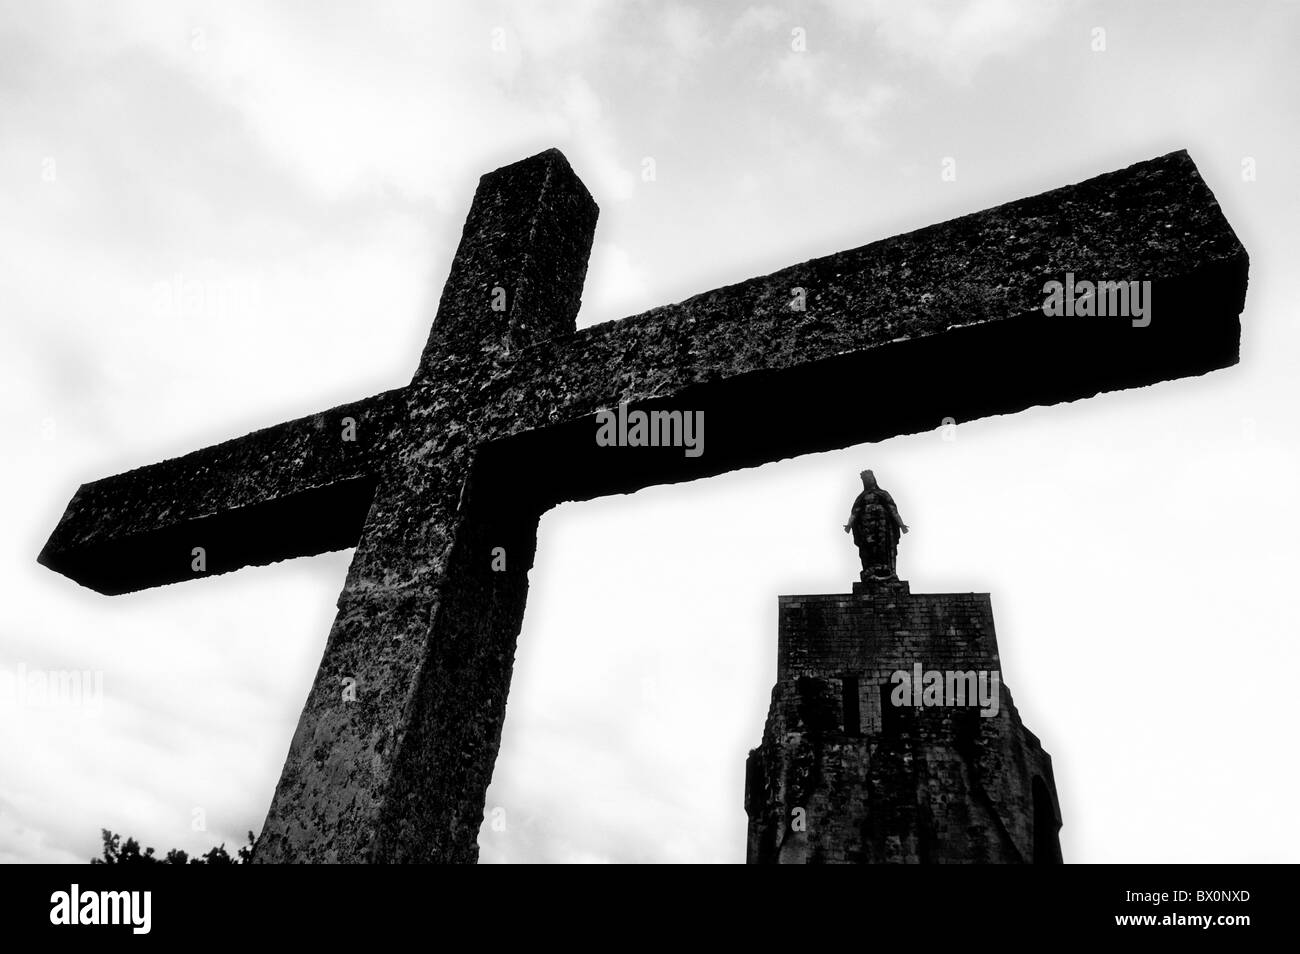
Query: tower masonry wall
855	768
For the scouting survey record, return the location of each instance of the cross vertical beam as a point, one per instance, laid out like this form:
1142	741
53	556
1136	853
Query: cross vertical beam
395	746
518	272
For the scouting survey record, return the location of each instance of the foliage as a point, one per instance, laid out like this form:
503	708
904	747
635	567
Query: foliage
118	852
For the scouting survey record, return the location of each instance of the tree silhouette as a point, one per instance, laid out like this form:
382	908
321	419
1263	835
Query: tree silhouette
118	852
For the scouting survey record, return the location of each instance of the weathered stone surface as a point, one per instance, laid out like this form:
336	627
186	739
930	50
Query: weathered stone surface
943	322
295	489
531	223
843	776
426	628
498	424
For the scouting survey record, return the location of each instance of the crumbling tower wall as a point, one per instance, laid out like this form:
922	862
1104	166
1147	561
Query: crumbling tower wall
845	775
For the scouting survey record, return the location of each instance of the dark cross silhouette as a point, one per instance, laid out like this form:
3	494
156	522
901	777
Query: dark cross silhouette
441	488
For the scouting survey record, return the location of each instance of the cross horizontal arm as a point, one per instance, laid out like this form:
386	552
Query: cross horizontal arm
295	489
896	336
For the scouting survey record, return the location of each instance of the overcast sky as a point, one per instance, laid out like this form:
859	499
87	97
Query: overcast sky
303	172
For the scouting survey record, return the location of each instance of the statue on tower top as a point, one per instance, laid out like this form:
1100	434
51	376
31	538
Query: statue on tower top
876	526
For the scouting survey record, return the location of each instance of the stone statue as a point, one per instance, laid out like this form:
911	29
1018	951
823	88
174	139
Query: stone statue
875	525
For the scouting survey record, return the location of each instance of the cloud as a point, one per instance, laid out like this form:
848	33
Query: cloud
578	122
955	37
686	31
858	114
616	286
854	104
359	101
802	72
755	20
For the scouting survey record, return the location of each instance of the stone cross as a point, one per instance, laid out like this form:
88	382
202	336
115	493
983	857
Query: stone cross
440	485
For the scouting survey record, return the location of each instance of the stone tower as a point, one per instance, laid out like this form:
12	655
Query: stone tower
880	747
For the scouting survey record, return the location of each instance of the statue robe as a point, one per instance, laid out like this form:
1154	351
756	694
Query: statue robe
875	523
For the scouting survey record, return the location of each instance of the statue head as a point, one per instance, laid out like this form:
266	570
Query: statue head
868	480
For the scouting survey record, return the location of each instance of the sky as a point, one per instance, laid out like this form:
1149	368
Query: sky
218	216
